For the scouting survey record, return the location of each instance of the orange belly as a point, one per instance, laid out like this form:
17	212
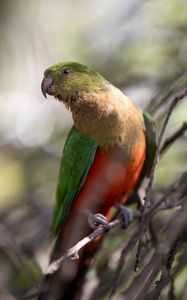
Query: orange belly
111	179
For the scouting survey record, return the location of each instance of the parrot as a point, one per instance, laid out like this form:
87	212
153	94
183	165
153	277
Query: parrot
107	154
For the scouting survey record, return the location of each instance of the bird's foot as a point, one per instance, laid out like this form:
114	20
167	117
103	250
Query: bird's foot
98	219
125	214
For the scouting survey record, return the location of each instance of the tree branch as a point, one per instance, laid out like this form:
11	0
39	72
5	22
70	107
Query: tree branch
72	253
170	140
147	202
158	150
170	231
124	253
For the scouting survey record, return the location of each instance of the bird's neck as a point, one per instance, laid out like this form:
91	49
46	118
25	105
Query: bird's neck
109	117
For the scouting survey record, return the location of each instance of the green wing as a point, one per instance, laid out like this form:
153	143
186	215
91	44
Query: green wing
151	143
78	154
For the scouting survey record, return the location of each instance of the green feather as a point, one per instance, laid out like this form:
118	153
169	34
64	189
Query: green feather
78	154
151	143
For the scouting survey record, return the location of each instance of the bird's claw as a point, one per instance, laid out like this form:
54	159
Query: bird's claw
75	256
98	219
125	214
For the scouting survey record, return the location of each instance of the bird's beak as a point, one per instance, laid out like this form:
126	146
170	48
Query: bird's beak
47	83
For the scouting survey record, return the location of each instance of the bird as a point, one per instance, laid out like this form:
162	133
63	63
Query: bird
107	154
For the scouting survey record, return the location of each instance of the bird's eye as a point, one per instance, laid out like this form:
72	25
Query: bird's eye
66	71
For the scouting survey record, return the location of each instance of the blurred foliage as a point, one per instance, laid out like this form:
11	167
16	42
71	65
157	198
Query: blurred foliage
138	45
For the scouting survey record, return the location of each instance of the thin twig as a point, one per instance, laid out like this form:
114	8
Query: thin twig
172	87
155	161
176	135
155	293
147	199
72	253
171	230
128	247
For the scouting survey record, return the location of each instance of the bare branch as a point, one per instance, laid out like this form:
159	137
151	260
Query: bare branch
176	135
124	253
171	231
155	161
147	198
154	293
72	253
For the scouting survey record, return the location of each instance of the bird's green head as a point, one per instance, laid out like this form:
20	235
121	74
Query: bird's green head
67	80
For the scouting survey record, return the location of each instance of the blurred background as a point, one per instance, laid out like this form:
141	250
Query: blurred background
139	45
